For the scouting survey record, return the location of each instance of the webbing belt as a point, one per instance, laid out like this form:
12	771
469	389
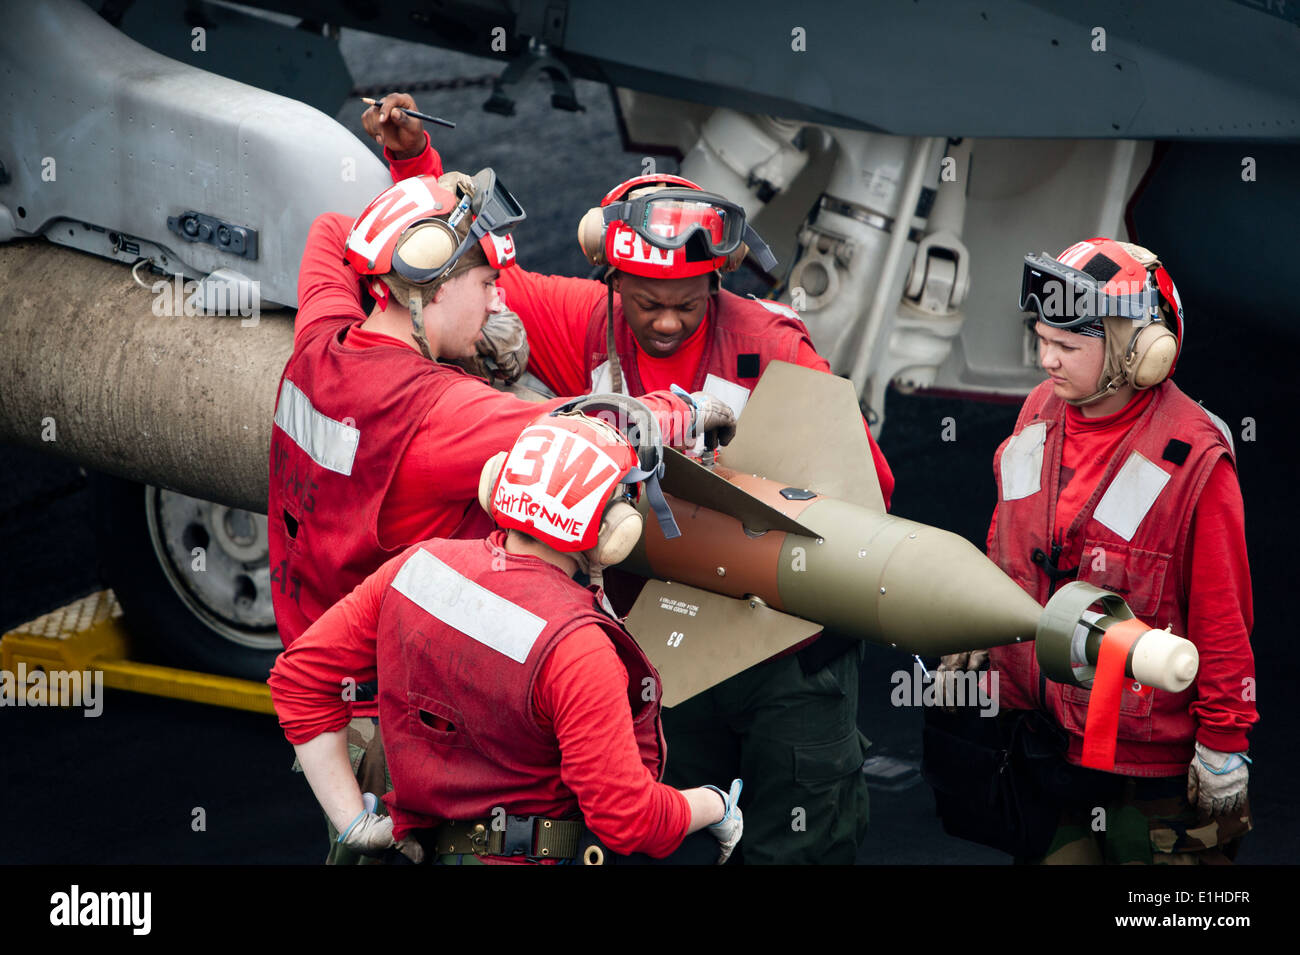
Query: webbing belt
532	836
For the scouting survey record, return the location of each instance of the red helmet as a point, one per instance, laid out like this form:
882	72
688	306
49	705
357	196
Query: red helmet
1096	278
374	246
673	230
1116	291
556	480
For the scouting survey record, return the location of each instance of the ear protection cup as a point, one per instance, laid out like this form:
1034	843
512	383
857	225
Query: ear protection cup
1150	356
487	479
620	529
428	246
591	236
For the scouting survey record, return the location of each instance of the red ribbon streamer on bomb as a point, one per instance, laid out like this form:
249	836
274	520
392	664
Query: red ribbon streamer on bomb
1102	724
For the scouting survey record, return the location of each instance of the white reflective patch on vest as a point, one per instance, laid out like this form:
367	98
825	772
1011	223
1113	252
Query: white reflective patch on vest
776	307
465	606
1130	495
331	444
733	394
602	382
1022	463
1222	426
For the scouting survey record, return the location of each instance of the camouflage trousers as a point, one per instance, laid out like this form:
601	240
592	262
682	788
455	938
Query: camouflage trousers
793	738
370	767
1150	823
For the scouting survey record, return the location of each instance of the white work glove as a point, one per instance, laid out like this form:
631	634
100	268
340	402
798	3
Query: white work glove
1216	782
728	830
713	416
956	663
504	342
370	833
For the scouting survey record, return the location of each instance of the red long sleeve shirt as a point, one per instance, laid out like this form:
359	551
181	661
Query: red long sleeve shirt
580	695
1217	591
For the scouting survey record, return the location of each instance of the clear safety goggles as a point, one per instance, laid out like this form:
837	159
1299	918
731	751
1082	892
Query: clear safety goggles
1064	297
494	209
669	218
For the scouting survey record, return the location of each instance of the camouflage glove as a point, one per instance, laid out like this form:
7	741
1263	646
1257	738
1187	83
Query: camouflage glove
504	343
965	660
956	663
457	183
371	834
713	416
1216	782
728	830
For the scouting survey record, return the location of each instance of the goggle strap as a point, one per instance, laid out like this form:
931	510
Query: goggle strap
658	503
759	249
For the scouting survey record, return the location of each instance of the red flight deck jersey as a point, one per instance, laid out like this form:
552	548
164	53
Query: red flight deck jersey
535	701
374	447
1145	503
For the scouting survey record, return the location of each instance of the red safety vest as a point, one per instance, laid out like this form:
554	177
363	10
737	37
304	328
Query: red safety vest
745	334
343	421
1129	538
456	698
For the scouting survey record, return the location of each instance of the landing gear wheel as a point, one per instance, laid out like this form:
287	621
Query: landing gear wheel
193	577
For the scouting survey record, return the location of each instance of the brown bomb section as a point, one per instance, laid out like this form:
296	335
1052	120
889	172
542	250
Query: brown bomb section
713	553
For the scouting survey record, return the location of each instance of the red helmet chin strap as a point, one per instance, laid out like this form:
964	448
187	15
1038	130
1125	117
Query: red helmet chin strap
415	304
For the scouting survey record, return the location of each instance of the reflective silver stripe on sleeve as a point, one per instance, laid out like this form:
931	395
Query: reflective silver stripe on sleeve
1130	495
331	444
465	606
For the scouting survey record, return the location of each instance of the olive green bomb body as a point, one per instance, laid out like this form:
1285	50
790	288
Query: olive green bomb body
890	580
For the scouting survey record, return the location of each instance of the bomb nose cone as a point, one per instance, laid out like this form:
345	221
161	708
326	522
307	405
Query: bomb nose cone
939	594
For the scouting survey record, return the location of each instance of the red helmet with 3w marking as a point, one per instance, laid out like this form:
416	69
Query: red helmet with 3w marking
667	227
554	483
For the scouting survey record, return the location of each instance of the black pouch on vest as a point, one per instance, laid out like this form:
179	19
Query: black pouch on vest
985	774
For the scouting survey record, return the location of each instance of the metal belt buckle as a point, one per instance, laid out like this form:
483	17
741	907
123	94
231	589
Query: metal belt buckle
478	839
